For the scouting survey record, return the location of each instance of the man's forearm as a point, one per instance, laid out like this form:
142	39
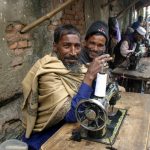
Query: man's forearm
124	49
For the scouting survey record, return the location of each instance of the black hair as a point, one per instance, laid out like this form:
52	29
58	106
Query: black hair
140	18
63	30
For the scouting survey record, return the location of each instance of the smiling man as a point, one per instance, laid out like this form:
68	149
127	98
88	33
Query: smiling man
54	86
96	40
95	47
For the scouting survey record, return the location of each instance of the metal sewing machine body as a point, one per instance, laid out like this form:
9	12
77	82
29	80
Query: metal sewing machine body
133	58
146	42
92	114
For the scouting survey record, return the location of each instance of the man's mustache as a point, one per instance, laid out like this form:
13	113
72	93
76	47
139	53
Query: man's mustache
71	58
98	53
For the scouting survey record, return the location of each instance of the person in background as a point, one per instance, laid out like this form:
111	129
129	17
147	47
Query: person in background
128	45
129	30
114	37
138	23
54	85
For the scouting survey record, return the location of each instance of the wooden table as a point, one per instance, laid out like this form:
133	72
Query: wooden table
142	73
134	133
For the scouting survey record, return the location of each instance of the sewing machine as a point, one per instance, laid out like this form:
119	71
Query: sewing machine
147	45
133	58
92	114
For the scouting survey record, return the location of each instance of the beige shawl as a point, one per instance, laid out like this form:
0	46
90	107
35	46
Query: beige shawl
48	89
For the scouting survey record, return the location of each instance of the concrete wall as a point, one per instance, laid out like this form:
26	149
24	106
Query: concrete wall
17	53
13	11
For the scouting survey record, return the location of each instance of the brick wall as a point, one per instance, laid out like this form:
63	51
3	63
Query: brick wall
73	14
19	44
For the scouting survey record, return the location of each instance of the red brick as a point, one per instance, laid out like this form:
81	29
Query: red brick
66	21
18	52
11	38
77	17
13	46
69	17
9	28
22	44
18	27
14	37
78	13
14	27
73	22
25	36
13	31
69	12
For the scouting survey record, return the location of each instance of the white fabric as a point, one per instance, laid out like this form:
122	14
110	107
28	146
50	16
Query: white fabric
141	31
124	49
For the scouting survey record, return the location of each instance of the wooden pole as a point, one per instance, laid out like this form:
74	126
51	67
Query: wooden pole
106	4
47	16
124	10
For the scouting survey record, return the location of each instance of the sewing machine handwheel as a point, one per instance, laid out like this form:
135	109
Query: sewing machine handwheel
91	115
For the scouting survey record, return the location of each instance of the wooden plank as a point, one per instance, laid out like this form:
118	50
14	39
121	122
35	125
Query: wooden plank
148	139
89	13
128	7
95	12
101	14
133	134
107	3
143	74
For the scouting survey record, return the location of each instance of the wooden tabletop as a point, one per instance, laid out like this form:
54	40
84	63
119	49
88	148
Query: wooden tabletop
142	73
134	133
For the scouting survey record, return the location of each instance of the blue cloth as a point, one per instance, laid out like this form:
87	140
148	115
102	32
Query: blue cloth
38	138
84	92
135	25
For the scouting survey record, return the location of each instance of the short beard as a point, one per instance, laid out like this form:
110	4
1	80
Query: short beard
74	68
99	53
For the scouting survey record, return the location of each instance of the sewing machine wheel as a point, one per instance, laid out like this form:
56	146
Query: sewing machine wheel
91	114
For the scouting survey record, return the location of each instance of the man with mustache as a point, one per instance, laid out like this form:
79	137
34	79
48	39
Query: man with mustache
96	40
128	45
54	85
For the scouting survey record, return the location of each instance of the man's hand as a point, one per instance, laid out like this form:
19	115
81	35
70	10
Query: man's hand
96	66
121	89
